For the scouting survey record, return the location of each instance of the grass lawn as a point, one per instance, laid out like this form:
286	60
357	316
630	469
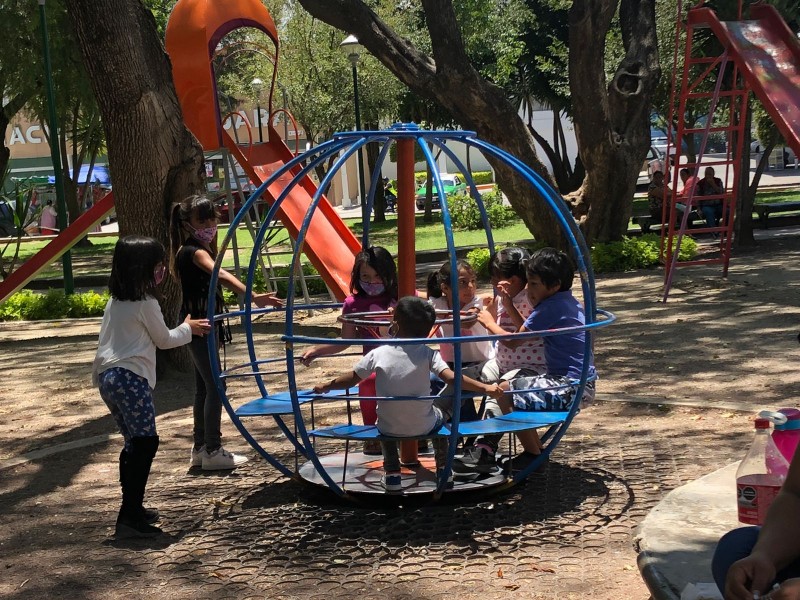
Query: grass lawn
96	259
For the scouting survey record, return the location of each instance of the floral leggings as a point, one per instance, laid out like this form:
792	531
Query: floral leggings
130	400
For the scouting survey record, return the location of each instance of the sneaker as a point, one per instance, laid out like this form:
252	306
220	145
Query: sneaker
372	448
392	482
521	462
220	460
197	457
475	459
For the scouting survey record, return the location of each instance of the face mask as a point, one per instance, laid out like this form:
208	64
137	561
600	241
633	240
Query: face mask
159	273
373	289
205	235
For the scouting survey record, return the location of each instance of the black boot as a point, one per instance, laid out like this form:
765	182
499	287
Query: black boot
131	520
151	515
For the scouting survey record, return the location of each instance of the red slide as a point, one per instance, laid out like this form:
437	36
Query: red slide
768	54
52	251
329	244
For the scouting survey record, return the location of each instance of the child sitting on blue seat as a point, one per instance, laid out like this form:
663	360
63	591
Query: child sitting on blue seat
404	370
549	273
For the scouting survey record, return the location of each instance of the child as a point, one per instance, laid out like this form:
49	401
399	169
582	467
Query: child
474	355
404	370
125	369
193	245
550	274
373	288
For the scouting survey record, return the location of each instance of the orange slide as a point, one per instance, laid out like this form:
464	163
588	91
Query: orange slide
57	247
329	244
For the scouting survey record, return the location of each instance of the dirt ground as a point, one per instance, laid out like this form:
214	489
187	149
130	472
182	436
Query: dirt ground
697	368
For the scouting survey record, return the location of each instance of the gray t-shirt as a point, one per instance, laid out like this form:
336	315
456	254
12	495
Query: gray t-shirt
403	371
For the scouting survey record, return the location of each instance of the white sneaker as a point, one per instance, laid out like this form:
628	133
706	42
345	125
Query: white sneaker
197	457
220	460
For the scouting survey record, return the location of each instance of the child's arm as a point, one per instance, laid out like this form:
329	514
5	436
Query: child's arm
348	332
342	382
164	337
472	385
203	260
516	342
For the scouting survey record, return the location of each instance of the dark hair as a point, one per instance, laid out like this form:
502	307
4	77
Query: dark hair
442	277
379	259
686	171
200	206
553	267
415	317
509	262
133	266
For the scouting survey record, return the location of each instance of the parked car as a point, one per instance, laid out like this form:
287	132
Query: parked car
453	184
654	161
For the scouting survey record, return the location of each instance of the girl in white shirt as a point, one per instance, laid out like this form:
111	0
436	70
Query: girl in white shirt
125	369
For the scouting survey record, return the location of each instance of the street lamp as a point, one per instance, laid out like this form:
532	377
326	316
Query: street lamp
286	120
55	154
351	47
257	84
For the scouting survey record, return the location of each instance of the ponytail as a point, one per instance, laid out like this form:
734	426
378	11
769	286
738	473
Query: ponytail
175	238
434	287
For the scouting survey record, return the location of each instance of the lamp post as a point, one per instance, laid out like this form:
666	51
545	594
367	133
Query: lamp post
286	120
55	154
351	47
257	84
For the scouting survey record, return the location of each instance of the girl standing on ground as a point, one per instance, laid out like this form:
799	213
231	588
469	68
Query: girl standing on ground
125	369
474	355
193	245
373	288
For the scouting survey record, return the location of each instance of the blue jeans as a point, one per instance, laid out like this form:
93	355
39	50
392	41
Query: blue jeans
712	212
738	544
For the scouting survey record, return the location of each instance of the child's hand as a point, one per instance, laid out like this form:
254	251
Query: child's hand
322	388
198	326
262	300
308	356
486	318
495	391
486	300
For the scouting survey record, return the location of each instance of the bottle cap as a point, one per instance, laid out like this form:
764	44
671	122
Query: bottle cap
762	423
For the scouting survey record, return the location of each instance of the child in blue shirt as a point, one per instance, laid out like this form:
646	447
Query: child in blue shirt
549	273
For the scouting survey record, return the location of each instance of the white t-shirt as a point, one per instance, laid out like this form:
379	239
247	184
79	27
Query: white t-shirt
472	352
129	335
529	354
403	371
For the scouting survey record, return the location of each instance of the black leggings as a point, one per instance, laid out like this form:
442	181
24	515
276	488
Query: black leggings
207	403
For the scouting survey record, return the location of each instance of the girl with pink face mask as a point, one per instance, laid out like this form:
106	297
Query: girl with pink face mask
193	242
373	288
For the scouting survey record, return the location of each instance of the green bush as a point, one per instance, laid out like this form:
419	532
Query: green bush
478	259
635	253
482	177
465	215
32	306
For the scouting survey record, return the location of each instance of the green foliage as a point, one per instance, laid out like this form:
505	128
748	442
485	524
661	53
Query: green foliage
31	306
465	215
315	285
478	259
482	177
635	253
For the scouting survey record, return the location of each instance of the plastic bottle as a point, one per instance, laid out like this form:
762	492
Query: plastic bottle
787	435
760	476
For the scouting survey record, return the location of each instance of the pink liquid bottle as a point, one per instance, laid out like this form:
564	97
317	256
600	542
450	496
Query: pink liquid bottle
760	476
787	435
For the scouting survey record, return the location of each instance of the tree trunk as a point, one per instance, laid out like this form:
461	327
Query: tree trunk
11	108
155	160
612	122
449	78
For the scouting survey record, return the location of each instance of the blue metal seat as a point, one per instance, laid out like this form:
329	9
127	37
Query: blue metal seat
281	403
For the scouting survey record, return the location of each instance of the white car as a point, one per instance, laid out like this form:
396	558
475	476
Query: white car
654	161
789	157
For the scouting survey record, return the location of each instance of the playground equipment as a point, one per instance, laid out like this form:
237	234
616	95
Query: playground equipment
760	54
317	455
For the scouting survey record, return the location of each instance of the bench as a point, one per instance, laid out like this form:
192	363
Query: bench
765	210
645	221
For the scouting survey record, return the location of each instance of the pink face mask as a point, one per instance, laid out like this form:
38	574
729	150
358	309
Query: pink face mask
205	235
159	273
